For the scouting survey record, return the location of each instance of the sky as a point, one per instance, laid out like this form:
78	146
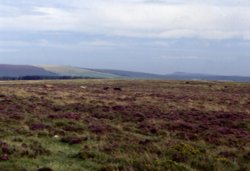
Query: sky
156	36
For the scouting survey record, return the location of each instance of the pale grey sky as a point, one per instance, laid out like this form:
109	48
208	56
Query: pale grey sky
158	36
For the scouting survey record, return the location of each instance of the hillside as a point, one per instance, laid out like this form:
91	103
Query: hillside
22	70
75	71
130	74
173	76
57	71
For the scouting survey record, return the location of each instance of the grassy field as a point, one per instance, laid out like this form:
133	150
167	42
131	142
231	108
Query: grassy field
111	125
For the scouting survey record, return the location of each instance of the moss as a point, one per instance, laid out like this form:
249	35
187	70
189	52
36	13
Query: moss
187	149
159	165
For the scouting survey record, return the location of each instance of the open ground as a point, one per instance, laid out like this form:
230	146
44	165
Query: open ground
128	125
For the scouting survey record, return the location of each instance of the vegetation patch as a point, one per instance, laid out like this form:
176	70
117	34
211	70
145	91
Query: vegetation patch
132	125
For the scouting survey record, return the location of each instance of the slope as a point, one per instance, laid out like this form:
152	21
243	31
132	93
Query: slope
130	74
23	70
75	71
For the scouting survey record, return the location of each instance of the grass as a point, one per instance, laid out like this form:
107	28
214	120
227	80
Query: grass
147	125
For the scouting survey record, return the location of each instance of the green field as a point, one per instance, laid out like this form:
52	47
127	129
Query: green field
135	125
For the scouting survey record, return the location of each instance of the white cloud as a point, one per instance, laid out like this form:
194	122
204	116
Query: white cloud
134	18
12	46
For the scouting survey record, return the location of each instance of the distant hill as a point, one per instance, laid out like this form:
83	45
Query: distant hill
130	74
22	70
75	71
67	72
195	76
173	76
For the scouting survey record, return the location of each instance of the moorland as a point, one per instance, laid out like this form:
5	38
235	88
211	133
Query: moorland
130	125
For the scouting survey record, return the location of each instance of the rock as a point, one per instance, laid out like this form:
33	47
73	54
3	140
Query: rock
56	136
48	86
106	88
45	169
117	89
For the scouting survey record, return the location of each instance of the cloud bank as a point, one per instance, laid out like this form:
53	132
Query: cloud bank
163	19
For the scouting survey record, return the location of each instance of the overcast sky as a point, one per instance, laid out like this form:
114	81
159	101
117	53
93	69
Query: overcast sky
158	36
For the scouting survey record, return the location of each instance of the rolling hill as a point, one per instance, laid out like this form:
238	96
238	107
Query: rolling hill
23	70
195	76
130	74
57	71
173	76
75	71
